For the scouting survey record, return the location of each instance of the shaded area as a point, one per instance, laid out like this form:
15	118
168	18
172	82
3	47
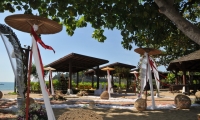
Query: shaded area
191	63
127	114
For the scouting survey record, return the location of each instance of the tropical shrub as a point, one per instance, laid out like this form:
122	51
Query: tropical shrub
36	112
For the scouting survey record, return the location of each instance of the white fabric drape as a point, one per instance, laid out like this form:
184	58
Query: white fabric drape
49	110
148	65
143	75
156	74
52	88
16	64
109	82
149	73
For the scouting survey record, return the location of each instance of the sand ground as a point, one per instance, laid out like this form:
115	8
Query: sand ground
129	114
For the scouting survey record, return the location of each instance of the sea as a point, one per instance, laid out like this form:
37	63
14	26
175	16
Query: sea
6	86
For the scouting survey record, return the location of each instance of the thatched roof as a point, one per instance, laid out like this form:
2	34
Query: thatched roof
118	64
192	56
190	62
113	65
79	62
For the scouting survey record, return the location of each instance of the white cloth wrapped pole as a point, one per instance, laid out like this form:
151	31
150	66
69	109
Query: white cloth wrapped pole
143	74
149	73
109	82
39	69
146	75
52	88
156	75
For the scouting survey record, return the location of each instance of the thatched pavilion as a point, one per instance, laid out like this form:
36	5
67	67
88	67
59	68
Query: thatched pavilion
74	63
93	72
191	63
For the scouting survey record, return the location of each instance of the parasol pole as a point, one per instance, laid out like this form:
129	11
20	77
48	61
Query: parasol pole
136	82
52	88
108	76
50	80
150	82
49	85
28	87
146	82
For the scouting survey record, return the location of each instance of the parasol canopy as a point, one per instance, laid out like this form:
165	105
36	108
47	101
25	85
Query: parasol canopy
107	68
150	51
24	22
49	68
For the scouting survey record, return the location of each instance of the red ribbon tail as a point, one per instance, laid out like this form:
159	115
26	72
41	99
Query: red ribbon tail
40	41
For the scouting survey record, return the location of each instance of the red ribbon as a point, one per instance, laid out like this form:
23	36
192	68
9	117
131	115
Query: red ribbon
40	41
152	66
44	46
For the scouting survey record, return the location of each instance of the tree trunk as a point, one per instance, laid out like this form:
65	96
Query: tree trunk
190	30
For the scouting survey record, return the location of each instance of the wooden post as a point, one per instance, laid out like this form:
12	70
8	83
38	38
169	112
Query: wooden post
77	79
28	87
50	82
26	65
15	85
176	77
70	75
184	74
92	80
97	73
112	81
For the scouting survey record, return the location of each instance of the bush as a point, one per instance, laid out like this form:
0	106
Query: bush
36	112
56	84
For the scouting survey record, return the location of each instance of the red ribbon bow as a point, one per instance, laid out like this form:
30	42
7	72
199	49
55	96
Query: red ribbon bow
40	41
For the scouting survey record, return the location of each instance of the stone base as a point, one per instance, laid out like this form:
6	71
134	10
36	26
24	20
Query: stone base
20	102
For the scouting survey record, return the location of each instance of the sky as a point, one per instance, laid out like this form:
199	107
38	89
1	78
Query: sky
63	44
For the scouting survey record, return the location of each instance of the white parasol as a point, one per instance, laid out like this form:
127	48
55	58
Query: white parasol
50	69
108	69
148	65
31	24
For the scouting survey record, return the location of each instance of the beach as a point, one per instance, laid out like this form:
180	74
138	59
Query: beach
7	91
122	112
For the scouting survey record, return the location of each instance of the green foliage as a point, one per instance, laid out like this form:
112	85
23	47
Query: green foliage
139	21
34	71
12	93
35	86
56	83
122	72
195	82
170	77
